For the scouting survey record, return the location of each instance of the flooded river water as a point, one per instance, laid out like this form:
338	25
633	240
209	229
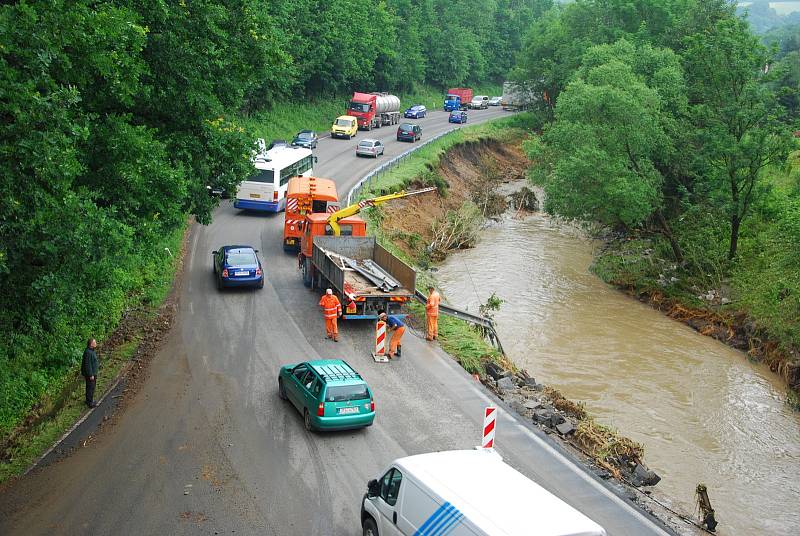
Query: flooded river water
702	411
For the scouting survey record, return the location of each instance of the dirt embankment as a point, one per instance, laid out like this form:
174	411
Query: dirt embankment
470	177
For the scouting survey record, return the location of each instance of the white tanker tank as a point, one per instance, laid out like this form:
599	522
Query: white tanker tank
374	110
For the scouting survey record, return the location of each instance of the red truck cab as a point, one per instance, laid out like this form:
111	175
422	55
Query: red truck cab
362	107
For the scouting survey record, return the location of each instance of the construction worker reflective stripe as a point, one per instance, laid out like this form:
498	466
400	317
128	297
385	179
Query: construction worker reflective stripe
331	307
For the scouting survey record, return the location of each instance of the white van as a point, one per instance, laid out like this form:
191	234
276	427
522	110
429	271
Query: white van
465	493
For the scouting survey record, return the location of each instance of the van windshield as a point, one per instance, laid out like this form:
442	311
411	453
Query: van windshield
344	122
343	393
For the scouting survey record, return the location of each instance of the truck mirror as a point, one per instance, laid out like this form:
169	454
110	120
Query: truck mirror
214	252
373	488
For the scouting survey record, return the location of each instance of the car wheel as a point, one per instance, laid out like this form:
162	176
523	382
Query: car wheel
307	421
282	390
261	284
369	527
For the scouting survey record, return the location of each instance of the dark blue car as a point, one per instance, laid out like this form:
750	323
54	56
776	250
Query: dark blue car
417	111
457	116
237	266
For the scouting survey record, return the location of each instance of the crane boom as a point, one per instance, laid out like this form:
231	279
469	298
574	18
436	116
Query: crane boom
355	208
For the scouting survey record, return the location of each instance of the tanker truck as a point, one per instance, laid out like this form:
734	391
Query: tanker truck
374	110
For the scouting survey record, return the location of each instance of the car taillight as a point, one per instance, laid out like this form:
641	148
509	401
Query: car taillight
258	271
372	405
320	410
225	272
275	195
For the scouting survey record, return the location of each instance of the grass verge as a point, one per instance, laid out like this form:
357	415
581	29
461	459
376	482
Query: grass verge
63	405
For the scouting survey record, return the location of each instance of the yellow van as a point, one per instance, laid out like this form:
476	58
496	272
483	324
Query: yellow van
345	126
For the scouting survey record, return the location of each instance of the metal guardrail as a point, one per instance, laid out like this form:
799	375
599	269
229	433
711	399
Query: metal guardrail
486	324
367	179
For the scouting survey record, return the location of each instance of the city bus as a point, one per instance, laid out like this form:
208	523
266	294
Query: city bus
265	190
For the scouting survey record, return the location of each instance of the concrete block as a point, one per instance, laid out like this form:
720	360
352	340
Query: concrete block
542	416
518	407
533	404
505	384
494	370
556	419
642	476
565	428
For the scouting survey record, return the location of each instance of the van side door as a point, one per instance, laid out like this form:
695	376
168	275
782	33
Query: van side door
386	502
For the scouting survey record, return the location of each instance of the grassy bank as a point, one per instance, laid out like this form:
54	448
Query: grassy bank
457	338
284	121
751	303
60	404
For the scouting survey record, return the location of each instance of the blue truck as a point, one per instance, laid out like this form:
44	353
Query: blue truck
457	98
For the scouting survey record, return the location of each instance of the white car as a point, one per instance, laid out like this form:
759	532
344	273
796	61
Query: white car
495	101
370	147
479	102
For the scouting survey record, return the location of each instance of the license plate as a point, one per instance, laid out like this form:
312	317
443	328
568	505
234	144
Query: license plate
241	273
257	196
290	241
346	411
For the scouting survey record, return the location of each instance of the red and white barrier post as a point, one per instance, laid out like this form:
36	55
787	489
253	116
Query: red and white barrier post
489	421
380	342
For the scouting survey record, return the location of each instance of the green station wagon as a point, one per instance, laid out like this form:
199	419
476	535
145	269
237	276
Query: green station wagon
329	394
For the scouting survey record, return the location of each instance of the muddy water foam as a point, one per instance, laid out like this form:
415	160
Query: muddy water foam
703	412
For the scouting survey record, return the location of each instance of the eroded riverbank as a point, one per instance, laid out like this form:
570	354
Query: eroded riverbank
702	411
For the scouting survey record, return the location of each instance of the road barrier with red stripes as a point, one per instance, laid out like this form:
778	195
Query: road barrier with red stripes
489	421
380	342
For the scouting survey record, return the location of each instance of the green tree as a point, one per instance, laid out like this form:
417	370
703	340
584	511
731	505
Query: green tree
736	116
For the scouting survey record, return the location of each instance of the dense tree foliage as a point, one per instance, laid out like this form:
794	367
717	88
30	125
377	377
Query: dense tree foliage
117	114
661	111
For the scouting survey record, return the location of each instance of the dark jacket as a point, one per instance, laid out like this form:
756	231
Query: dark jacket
90	365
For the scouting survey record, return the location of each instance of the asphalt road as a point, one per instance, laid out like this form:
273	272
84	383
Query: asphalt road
207	447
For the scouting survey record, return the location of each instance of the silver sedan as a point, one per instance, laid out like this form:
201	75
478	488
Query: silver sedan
370	147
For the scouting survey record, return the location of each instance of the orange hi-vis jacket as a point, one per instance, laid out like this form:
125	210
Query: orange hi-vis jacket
331	307
432	306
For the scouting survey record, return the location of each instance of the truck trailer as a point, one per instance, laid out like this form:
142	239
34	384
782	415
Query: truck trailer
366	278
517	96
458	98
374	110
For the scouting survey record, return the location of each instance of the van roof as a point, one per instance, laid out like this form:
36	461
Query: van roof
323	189
350	117
494	497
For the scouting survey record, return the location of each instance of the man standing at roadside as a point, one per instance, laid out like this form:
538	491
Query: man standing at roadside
331	310
432	313
397	327
90	366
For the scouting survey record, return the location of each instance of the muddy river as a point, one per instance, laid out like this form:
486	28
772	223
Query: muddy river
702	411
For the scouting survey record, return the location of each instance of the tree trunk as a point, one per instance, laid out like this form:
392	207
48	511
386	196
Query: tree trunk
667	232
735	221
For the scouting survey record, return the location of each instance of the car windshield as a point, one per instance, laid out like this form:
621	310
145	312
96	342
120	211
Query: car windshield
241	258
416	108
305	135
365	144
406	126
343	393
343	122
359	107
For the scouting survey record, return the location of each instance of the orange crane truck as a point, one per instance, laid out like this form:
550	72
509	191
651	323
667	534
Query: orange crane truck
335	253
306	195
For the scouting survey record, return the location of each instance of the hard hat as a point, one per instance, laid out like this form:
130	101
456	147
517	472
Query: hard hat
328	291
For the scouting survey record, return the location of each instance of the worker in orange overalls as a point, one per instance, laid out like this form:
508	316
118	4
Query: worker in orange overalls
397	328
432	313
331	310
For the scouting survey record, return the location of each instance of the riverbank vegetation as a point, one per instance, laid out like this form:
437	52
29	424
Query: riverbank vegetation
119	114
671	125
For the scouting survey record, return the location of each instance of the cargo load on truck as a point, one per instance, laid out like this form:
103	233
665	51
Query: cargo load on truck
466	493
374	110
517	96
335	253
458	98
367	278
306	195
